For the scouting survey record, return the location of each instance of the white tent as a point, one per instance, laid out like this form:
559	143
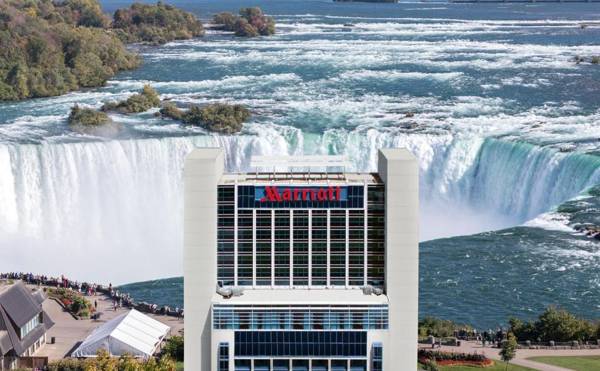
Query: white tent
133	333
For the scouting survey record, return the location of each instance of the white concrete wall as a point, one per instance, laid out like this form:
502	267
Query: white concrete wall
223	336
400	172
203	170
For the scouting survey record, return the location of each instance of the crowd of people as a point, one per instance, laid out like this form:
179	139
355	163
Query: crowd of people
119	299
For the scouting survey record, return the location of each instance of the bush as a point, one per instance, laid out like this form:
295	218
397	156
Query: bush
136	103
433	355
250	23
218	117
431	326
226	20
156	24
554	324
51	48
87	117
103	362
170	110
174	348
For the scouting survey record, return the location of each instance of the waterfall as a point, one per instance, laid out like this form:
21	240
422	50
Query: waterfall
112	210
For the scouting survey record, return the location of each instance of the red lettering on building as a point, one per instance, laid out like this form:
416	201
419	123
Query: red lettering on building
272	194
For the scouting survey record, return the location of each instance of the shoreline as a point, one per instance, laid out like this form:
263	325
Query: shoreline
89	290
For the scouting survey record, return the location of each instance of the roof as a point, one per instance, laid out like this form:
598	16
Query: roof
308	179
18	305
272	162
302	297
132	332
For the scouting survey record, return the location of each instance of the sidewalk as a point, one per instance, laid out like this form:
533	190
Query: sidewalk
522	354
69	332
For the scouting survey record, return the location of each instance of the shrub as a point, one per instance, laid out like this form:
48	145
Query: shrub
173	348
226	20
218	117
431	326
170	110
50	48
250	23
136	103
156	24
554	324
425	354
87	117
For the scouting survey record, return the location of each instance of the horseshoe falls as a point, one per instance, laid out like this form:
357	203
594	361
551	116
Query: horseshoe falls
488	97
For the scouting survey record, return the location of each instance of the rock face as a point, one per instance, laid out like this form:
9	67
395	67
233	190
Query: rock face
92	122
251	22
155	24
217	117
143	101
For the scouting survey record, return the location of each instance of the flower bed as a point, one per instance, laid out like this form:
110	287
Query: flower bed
454	359
72	301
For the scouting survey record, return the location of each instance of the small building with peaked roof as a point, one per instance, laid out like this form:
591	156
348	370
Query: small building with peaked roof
23	323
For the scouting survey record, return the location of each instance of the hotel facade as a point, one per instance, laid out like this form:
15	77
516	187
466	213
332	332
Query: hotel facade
311	270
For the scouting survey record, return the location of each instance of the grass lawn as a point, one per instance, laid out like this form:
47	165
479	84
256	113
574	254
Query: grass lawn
498	366
582	363
179	366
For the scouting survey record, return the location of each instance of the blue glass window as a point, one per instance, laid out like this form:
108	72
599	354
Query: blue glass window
243	365
281	365
223	357
300	344
377	357
300	365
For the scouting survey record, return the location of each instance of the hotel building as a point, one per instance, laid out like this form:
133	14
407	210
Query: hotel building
311	270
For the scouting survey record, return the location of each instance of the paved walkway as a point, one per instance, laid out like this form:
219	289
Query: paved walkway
69	332
523	354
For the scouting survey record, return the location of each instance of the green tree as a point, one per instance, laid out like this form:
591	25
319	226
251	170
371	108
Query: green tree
509	349
174	348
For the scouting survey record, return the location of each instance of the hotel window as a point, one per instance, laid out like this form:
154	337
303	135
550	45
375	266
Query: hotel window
223	357
282	247
300	247
281	365
225	235
356	263
263	247
300	344
377	357
337	248
375	236
319	247
244	247
374	317
243	365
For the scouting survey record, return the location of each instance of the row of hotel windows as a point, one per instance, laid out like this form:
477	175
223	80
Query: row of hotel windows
300	344
270	318
280	364
299	365
273	245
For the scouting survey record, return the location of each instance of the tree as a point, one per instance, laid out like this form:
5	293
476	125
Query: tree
174	348
509	348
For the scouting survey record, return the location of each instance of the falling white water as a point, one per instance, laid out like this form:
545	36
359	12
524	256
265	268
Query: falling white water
112	210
